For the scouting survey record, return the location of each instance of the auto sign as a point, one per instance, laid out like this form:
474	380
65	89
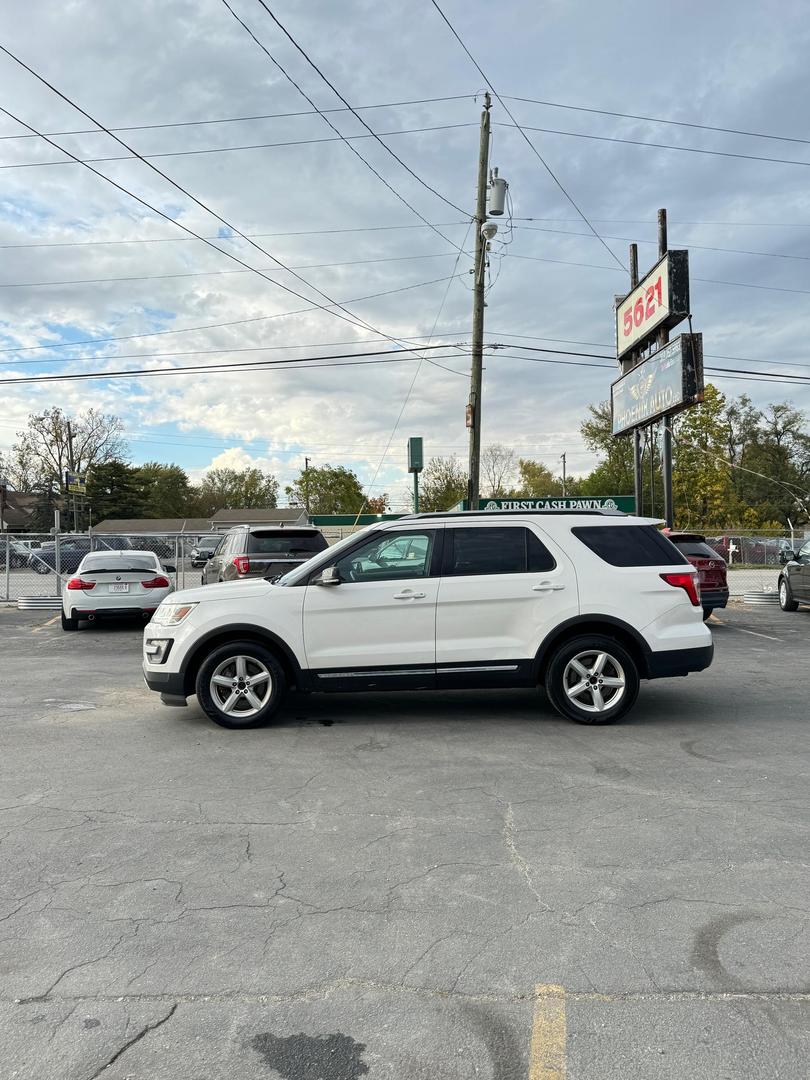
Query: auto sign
666	382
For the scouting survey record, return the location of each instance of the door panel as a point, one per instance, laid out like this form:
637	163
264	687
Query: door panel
381	615
800	575
499	616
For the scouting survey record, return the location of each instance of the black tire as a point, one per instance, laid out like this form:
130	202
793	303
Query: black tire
582	708
42	568
707	612
786	601
223	663
69	624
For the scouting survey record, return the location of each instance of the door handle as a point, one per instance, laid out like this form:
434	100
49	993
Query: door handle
547	586
408	594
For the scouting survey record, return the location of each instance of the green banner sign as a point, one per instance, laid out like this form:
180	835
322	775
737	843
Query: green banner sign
625	503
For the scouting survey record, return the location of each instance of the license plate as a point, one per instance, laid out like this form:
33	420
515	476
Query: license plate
122	586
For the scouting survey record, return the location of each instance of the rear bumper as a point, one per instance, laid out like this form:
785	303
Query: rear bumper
675	662
113	612
713	598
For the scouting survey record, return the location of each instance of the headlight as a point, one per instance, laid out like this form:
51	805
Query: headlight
157	649
172	614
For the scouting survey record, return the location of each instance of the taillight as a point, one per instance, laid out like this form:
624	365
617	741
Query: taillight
242	564
79	583
158	582
687	582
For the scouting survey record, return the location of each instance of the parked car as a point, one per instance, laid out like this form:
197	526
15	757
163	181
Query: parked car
164	549
711	568
261	551
794	580
585	603
72	550
18	552
204	548
111	584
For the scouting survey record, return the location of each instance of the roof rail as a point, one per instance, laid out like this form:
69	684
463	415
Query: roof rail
491	514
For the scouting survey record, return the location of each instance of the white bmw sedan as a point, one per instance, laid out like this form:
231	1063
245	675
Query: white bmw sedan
110	584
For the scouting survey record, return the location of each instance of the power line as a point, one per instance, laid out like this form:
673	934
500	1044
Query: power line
338	94
707	224
225	149
187	240
216	273
691	246
353	149
242	119
219	325
526	138
348	316
659	120
659	146
347	360
205	352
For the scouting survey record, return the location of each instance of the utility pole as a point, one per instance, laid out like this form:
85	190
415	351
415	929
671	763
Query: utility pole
663	338
306	484
563	476
474	406
638	474
70	461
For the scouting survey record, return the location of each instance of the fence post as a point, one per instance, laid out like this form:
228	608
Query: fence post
179	576
8	567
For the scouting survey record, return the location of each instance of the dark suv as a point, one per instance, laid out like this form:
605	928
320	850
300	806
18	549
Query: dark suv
794	579
711	568
262	551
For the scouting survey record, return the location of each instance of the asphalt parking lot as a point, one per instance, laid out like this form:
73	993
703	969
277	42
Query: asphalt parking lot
412	886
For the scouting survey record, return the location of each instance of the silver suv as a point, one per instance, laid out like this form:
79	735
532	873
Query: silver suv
258	551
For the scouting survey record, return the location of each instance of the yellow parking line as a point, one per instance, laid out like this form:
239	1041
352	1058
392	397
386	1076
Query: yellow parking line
50	622
548	1047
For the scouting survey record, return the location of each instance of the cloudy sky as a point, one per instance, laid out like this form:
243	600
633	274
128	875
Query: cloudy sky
166	66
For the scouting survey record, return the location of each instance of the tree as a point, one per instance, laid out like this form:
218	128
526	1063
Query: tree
498	469
537	480
114	491
377	505
247	489
166	490
42	453
328	489
615	472
702	487
443	484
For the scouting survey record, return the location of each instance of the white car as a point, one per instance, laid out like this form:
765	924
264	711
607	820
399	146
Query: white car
584	603
110	584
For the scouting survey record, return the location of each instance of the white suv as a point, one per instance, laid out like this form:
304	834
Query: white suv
585	603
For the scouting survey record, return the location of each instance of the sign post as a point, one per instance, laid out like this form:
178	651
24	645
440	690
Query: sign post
415	466
657	385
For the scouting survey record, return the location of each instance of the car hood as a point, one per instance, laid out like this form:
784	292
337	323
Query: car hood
223	590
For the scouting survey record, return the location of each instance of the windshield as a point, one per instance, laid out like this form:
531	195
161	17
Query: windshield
326	558
125	563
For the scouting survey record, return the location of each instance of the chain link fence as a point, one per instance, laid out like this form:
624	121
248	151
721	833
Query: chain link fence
37	564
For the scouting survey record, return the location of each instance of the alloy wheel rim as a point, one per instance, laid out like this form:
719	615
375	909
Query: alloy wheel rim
594	681
241	686
783	593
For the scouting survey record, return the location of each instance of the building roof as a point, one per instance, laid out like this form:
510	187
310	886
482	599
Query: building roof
285	514
154	525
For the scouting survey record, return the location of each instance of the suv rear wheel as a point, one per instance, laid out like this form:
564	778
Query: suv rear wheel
240	685
592	680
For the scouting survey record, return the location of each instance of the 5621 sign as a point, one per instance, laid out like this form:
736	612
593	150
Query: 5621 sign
661	300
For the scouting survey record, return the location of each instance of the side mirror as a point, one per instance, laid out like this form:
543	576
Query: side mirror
329	576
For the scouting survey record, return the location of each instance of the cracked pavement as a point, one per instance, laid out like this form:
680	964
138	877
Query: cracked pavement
398	873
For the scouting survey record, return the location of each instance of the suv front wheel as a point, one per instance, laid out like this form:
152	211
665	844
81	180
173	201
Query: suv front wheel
592	680
240	685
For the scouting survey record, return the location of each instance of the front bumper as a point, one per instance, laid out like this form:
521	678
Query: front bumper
169	684
672	663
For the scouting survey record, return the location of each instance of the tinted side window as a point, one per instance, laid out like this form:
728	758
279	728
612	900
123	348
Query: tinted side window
389	558
493	550
700	551
629	545
288	542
